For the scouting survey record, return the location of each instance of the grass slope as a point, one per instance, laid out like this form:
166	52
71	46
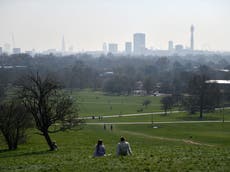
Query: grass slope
162	149
170	147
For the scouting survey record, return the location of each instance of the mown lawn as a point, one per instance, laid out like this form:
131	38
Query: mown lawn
94	103
161	149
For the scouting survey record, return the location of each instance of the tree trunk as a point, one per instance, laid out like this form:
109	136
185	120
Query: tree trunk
49	141
9	142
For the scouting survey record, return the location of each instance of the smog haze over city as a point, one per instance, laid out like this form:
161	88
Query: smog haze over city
87	24
114	85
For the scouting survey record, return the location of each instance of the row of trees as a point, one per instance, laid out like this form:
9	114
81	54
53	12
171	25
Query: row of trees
201	96
165	74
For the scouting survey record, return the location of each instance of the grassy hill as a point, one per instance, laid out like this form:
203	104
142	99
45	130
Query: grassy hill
167	147
171	147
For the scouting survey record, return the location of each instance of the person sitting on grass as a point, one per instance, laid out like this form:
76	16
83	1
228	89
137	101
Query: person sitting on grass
123	147
99	149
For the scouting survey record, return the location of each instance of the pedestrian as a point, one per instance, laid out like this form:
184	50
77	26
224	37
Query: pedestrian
123	147
104	127
111	127
99	149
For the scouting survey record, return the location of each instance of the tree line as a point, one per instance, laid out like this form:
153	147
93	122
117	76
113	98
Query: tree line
116	75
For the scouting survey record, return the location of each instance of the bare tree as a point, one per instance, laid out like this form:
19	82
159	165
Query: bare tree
202	96
14	120
45	100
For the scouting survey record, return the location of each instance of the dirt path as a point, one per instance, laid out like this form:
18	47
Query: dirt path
165	138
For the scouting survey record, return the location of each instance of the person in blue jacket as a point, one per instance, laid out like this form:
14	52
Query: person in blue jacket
99	149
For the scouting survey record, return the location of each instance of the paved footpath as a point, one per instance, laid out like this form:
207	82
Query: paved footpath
140	114
163	122
135	114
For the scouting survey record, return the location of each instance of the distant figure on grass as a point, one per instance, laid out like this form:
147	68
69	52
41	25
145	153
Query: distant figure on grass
99	149
111	127
104	127
123	147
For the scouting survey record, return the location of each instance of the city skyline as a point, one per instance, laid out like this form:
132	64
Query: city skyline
86	24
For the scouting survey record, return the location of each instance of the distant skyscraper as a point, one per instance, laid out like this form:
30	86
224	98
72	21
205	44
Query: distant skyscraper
128	47
139	43
104	48
170	45
63	44
0	50
113	48
192	38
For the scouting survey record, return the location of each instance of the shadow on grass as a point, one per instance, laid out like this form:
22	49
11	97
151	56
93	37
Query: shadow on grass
15	153
4	150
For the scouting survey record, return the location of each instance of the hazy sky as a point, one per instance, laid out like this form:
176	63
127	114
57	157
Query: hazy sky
86	24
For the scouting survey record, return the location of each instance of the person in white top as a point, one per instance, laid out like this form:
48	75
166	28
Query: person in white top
123	147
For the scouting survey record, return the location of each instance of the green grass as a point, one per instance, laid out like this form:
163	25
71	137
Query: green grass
210	133
149	152
170	147
97	103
